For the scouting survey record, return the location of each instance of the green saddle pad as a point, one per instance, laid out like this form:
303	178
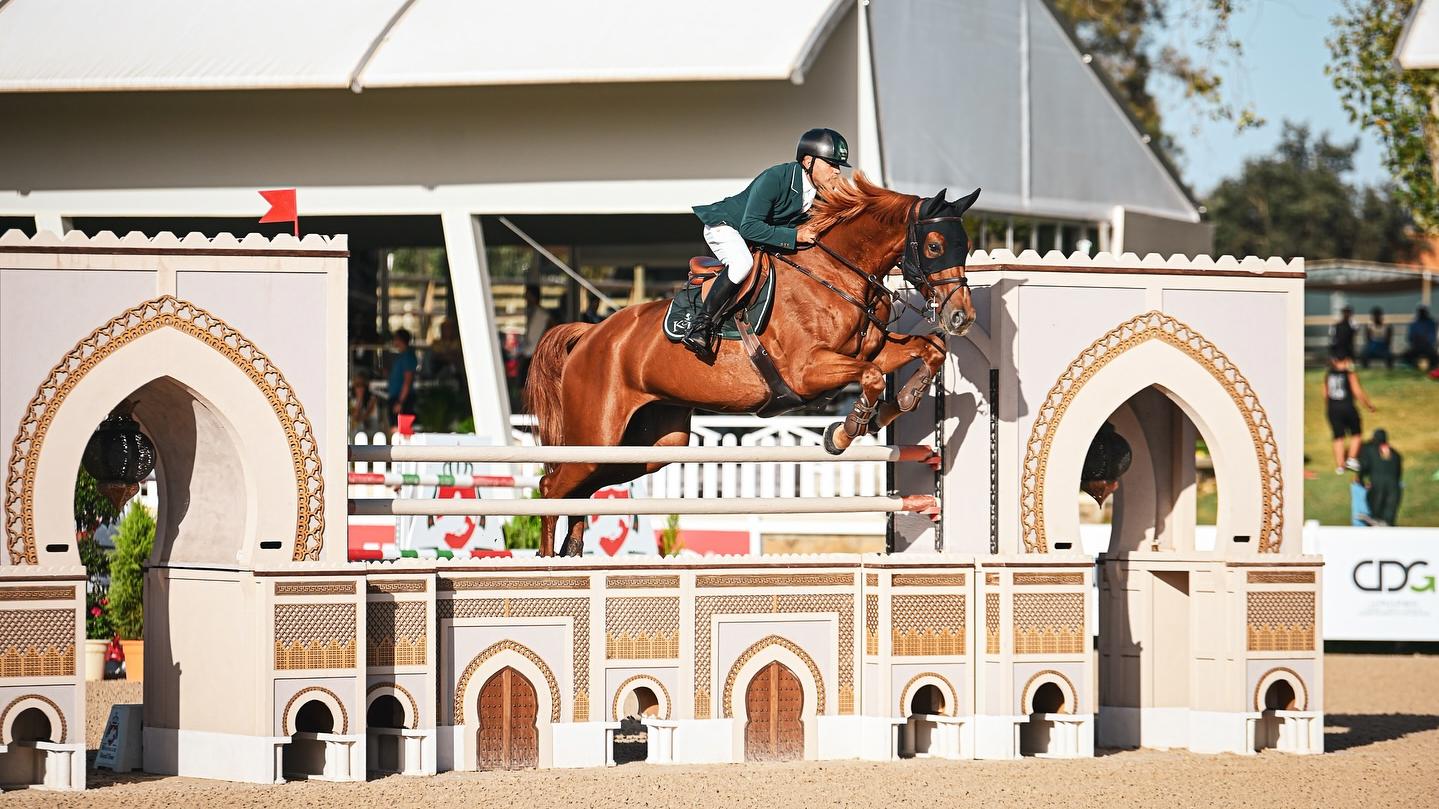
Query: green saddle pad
687	304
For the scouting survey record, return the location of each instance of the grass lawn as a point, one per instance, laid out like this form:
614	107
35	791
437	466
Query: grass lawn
1408	407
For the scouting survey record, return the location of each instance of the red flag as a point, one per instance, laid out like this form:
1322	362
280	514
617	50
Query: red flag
283	208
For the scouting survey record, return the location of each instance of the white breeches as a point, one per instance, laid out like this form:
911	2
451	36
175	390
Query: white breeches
730	247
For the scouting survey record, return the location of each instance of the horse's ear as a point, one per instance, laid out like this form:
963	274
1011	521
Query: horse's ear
933	205
962	204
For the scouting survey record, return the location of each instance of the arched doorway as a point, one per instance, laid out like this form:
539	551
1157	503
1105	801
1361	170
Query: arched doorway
773	728
383	720
23	764
632	740
927	702
304	756
508	738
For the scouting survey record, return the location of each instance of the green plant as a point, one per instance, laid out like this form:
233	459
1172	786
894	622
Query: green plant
522	532
97	573
91	507
133	543
670	544
98	625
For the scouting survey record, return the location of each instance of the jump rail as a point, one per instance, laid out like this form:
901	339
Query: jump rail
918	503
459	481
636	455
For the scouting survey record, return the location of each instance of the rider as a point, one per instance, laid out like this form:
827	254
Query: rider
770	211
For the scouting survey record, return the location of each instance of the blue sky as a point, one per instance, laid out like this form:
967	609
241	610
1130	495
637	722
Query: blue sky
1282	75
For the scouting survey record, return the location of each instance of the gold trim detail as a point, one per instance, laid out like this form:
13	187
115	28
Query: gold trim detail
871	624
1152	325
638	582
314	636
37	642
318	588
43	593
927	625
928	580
953	710
396	586
727	705
494	649
991	579
871	580
1071	697
128	326
1258	703
991	623
650	679
395	633
1280	621
776	580
645	628
1021	579
1049	623
1280	577
576	609
64	724
414	706
285	714
517	583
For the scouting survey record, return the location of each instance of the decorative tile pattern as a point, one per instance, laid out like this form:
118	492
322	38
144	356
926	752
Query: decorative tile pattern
165	311
315	588
38	593
928	580
642	628
1281	577
706	607
871	580
395	633
508	645
396	586
315	636
991	623
37	643
1152	325
927	625
576	609
637	582
1280	622
1049	623
516	583
727	704
991	579
776	580
871	624
1023	579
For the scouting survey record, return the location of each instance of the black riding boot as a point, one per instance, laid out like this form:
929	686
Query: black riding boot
704	331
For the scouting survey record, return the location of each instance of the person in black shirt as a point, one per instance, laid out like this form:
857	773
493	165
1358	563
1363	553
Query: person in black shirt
1341	389
1381	470
1378	340
1341	334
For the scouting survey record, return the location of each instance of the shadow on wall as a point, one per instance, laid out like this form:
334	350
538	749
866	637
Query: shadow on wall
1348	731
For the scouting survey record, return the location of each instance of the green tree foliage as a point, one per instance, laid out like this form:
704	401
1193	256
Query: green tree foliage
91	507
134	541
1123	37
1295	202
1401	105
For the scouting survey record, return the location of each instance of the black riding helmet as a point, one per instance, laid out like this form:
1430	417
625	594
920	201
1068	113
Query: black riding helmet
825	144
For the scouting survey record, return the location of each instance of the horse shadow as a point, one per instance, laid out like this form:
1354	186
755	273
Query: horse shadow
1349	731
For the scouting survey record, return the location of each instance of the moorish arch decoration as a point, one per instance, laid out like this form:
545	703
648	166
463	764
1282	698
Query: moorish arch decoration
505	646
1152	325
166	311
727	706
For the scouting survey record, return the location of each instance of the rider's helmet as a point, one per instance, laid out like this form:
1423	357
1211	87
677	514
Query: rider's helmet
825	144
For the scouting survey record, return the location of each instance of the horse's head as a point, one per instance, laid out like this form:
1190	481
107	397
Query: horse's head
935	250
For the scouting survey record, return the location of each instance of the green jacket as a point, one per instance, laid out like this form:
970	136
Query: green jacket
767	211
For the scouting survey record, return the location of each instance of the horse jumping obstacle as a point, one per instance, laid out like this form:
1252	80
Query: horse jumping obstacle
971	640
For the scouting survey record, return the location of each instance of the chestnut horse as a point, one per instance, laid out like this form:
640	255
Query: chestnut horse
621	382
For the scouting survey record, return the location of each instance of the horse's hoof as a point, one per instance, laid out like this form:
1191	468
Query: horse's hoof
834	436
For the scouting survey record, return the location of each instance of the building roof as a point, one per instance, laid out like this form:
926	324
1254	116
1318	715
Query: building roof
104	45
1418	47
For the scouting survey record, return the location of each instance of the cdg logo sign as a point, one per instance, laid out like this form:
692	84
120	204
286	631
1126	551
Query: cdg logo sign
1389	575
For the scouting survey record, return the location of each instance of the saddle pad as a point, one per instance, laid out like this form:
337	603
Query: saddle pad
687	304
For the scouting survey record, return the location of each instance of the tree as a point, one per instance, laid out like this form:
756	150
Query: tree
134	541
1295	202
1402	106
1121	35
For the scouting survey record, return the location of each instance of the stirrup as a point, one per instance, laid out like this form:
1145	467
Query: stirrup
701	339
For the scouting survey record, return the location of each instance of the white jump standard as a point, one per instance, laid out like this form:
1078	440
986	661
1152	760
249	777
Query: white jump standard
271	656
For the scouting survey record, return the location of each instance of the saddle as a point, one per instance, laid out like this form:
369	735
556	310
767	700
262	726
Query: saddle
705	269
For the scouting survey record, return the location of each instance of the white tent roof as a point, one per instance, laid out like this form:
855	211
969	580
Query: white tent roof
1418	47
96	45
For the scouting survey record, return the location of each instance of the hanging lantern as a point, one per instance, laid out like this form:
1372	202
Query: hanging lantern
1108	458
119	456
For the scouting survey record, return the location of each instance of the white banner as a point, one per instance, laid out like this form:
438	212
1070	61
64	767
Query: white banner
1380	583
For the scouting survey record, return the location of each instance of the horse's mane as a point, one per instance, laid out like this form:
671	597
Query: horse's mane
850	198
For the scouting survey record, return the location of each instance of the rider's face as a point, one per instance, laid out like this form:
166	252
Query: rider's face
823	174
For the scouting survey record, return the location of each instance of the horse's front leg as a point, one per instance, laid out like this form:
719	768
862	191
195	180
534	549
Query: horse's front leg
898	352
828	370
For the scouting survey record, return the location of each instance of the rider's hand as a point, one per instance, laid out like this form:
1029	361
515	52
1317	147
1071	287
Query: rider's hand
805	234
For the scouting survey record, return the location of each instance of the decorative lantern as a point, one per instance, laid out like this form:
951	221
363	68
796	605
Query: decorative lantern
119	456
1108	458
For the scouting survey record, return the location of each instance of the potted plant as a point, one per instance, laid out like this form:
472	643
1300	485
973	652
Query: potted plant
91	510
133	543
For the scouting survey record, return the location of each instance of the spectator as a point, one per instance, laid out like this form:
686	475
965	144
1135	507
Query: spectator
1341	389
1381	471
1378	340
537	321
402	377
364	406
1422	336
1341	334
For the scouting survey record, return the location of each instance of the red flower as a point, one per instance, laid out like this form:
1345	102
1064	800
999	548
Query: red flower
95	611
105	602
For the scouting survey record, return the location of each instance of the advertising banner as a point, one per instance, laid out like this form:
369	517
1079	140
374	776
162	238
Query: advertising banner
1380	583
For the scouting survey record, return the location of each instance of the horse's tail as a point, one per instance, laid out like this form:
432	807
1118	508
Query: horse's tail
542	388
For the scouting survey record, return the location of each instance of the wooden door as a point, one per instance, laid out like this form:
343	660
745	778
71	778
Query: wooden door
508	738
774	730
